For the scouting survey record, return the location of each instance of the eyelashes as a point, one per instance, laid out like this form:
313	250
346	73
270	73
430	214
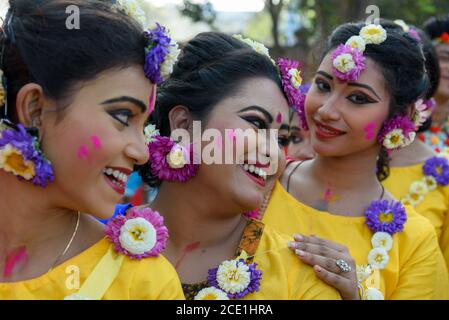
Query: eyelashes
356	98
258	122
121	115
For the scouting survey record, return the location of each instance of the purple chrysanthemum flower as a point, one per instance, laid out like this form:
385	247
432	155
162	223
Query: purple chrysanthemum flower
438	168
386	217
357	59
114	231
414	34
28	146
295	95
398	122
156	52
253	286
158	151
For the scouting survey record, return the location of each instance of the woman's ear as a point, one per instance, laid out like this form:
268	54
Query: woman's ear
30	104
180	118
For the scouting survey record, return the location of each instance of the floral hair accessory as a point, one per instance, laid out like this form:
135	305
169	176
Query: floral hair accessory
236	278
132	9
423	111
382	216
438	168
410	30
257	46
139	234
171	161
150	133
291	82
348	60
397	133
2	90
161	54
20	154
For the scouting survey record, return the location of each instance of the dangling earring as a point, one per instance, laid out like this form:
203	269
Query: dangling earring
397	133
169	160
20	154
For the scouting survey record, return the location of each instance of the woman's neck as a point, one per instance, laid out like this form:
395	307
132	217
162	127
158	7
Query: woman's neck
441	112
416	153
193	218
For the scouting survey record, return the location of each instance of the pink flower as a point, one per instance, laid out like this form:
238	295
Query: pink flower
291	81
159	166
347	62
139	234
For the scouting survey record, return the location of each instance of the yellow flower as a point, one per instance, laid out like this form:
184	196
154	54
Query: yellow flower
176	158
211	293
295	79
344	63
11	160
233	276
356	42
430	182
373	34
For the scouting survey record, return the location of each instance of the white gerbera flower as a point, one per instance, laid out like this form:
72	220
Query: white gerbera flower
378	258
76	296
296	78
394	139
373	294
419	187
408	201
170	60
363	272
382	240
416	197
150	132
233	276
138	236
344	63
211	293
431	182
133	10
356	42
373	34
257	46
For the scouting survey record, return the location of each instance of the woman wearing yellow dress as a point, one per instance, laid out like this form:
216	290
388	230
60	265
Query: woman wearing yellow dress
413	178
356	110
74	101
231	87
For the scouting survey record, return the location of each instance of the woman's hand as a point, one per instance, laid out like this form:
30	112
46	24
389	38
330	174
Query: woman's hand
323	255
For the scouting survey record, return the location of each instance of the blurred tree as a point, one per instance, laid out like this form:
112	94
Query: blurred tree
274	8
199	12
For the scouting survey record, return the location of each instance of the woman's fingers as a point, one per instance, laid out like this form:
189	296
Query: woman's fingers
321	242
323	261
346	287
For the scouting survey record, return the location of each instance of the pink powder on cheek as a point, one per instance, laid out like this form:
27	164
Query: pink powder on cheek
83	152
279	118
369	130
96	142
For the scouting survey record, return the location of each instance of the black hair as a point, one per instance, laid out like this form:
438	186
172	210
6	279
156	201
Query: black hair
38	47
436	26
402	63
211	67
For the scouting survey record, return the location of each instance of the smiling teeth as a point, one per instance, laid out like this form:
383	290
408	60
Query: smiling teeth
117	175
253	169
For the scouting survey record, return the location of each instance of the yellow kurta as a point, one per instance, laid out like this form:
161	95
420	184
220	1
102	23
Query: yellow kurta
284	276
434	207
146	279
416	269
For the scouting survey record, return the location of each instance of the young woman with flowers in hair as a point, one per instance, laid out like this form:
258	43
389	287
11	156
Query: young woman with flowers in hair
437	136
358	108
418	175
229	84
73	111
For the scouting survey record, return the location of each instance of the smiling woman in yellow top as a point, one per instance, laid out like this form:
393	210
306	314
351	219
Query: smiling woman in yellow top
356	110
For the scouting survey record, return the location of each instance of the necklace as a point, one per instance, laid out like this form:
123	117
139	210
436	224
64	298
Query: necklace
69	243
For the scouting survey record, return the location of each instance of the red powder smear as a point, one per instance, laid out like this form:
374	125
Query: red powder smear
83	152
328	195
369	130
279	117
13	259
152	100
96	142
189	248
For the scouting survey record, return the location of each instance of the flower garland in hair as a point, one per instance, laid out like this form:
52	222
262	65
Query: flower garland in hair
2	90
139	234
169	160
397	133
291	82
161	54
20	154
384	219
132	9
232	279
348	60
256	46
423	111
410	30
